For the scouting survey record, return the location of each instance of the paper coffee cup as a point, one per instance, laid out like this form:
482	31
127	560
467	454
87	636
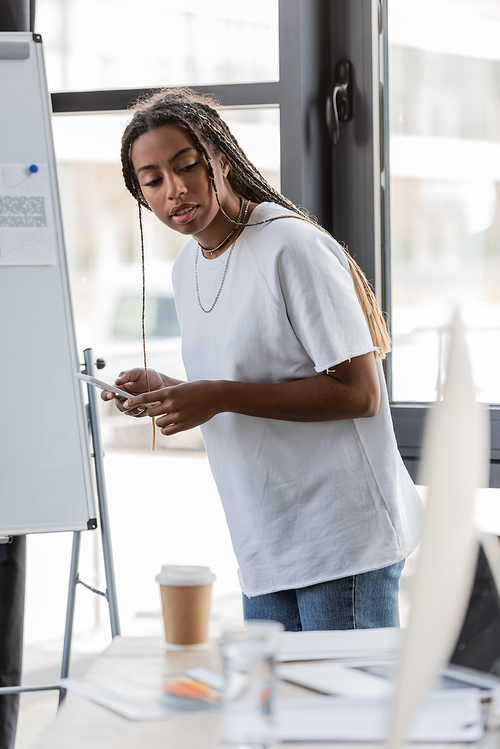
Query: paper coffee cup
185	598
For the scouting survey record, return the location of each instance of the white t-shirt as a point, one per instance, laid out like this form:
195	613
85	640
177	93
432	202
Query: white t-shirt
305	502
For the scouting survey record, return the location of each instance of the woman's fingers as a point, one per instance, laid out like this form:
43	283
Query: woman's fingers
107	395
168	420
138	411
136	380
172	429
119	404
139	403
155	397
129	375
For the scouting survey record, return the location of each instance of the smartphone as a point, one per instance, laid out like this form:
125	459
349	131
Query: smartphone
105	386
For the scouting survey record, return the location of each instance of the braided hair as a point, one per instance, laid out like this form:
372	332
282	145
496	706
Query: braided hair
198	115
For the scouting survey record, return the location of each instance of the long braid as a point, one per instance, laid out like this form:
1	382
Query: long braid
198	115
143	318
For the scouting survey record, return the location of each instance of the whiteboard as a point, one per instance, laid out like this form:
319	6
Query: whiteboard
45	474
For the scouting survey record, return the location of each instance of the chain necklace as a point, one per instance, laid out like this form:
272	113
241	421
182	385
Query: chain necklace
225	267
231	233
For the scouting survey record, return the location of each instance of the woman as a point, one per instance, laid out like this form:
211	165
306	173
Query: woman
281	340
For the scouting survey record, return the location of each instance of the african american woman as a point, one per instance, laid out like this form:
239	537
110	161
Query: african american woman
282	341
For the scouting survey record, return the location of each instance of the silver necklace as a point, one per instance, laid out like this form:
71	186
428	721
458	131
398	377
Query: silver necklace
231	233
225	267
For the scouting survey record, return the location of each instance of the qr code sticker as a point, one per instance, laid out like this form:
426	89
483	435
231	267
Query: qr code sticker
22	212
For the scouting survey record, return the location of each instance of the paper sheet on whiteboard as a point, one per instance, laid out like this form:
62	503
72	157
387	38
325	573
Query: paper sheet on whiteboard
26	216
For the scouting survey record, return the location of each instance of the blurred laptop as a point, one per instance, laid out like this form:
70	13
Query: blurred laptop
476	658
475	661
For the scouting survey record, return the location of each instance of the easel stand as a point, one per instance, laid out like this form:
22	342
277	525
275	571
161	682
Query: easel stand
74	579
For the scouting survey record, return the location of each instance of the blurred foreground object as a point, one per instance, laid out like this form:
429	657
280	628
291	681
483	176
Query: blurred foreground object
455	464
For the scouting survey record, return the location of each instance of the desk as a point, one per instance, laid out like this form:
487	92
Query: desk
83	724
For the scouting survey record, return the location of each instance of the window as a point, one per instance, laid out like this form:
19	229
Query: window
443	77
445	189
112	44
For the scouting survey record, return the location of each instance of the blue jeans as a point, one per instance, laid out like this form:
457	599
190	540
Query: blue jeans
354	602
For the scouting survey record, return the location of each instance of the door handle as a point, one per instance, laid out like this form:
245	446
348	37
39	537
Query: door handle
339	102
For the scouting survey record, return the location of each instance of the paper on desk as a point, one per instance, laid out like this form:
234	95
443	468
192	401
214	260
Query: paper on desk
145	699
349	644
333	678
448	716
123	696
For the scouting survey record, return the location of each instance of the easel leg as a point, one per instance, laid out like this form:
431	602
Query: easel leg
103	499
70	611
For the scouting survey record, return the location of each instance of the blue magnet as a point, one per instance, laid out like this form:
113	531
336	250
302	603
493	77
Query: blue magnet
33	169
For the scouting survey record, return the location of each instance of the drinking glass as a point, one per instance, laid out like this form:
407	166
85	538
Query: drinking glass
249	684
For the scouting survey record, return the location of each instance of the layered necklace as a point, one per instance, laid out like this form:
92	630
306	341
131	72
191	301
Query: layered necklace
243	213
231	233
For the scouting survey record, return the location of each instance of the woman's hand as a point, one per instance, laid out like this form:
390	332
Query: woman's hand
134	381
180	406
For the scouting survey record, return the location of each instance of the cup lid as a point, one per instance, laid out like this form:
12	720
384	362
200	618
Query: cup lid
175	574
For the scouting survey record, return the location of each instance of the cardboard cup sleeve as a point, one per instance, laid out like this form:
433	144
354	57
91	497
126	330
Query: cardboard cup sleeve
185	596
